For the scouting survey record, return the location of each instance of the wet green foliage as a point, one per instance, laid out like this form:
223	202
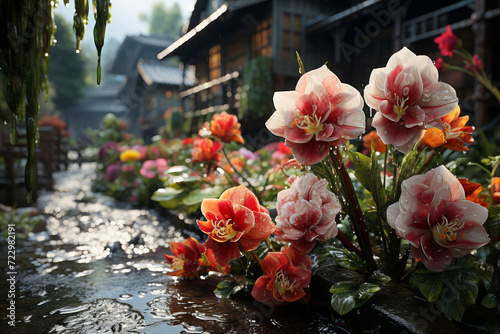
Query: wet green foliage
26	33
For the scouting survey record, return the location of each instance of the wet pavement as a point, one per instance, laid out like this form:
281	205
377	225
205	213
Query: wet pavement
97	266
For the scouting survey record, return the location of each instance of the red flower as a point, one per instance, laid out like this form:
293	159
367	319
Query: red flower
225	127
475	64
187	141
447	41
286	275
186	258
235	222
282	148
440	64
206	150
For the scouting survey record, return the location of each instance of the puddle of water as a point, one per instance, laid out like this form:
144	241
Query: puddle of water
99	268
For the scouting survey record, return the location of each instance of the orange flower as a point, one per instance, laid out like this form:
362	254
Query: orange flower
286	275
454	134
473	191
495	190
237	163
235	222
204	149
225	127
187	258
373	138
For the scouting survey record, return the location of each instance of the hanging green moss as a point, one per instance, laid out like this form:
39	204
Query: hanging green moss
26	33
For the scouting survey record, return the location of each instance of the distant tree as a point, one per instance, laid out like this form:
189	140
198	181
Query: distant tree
66	67
163	20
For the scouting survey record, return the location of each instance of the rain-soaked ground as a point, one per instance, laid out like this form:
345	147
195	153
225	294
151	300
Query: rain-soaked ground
98	267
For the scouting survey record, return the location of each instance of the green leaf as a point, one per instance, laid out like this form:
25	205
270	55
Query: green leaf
362	166
458	284
197	196
343	286
490	300
463	296
227	288
378	278
374	181
344	301
347	296
367	290
166	194
178	170
344	258
430	284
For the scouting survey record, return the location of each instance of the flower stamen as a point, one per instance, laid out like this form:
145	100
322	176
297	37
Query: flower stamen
447	230
178	262
311	124
282	283
224	230
399	108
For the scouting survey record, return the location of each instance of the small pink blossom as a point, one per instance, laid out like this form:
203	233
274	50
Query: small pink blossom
408	98
435	218
475	64
151	168
319	112
306	213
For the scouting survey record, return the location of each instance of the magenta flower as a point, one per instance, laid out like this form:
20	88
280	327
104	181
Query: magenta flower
320	111
112	172
435	218
306	213
408	98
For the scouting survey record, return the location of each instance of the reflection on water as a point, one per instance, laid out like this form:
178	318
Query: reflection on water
98	268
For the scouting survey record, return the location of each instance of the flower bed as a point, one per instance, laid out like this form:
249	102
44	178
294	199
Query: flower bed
400	211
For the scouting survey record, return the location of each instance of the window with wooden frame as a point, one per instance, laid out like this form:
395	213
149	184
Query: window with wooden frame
235	55
214	62
261	39
292	32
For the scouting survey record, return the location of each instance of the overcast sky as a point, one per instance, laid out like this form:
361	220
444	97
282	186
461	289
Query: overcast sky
125	16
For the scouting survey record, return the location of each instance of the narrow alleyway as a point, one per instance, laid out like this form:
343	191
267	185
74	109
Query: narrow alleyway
97	266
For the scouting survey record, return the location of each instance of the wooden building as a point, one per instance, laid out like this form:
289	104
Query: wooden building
225	42
149	87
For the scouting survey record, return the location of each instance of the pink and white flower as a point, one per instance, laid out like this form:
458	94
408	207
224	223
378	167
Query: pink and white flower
408	98
435	218
306	213
320	111
151	168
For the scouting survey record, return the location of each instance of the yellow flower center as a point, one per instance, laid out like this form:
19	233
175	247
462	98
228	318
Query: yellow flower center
399	108
223	229
311	124
178	262
282	283
447	230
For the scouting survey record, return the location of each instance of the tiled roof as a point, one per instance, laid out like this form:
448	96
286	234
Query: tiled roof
159	72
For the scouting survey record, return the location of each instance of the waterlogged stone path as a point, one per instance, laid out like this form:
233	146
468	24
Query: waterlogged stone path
97	266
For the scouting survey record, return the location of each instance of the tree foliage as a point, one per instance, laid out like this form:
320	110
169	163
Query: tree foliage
165	21
66	67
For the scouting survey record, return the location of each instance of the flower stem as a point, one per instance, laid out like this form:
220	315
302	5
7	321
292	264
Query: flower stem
354	210
256	258
242	176
347	243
